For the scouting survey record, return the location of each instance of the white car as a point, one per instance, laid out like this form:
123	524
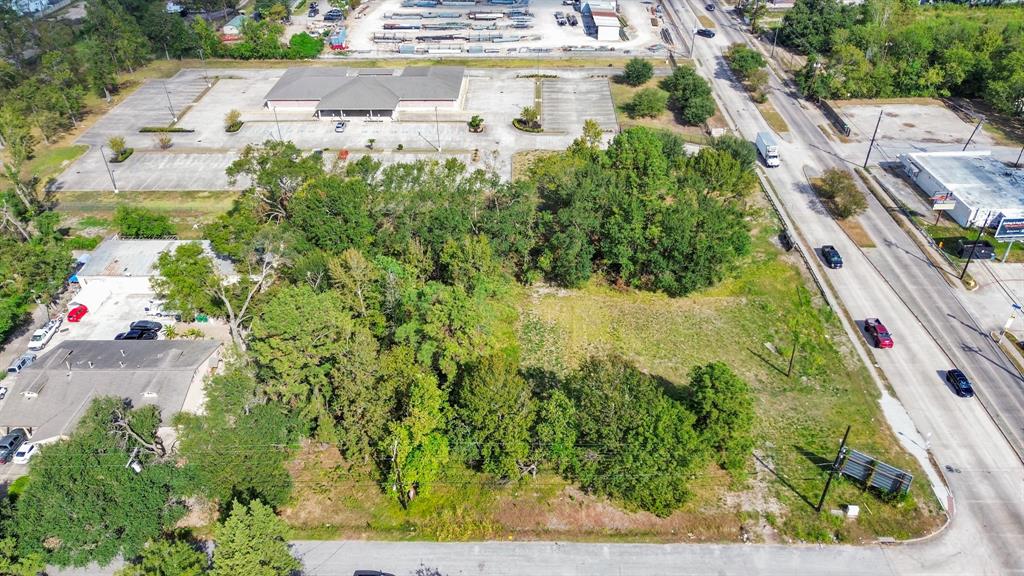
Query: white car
3	392
156	308
25	453
40	338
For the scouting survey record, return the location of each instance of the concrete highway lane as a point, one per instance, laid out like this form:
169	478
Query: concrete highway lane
895	282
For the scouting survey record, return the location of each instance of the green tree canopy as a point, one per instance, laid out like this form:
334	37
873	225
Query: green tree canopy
648	103
133	222
637	71
724	407
252	541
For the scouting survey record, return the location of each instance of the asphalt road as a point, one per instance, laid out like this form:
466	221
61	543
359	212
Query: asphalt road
895	282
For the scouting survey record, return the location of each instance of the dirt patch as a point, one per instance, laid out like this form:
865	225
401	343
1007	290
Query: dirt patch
323	488
884	101
856	232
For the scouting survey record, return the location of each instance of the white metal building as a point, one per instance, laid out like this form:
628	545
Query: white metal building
981	186
601	16
126	266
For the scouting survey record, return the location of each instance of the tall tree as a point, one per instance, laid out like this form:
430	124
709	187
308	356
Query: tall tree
724	407
276	170
167	558
252	541
18	147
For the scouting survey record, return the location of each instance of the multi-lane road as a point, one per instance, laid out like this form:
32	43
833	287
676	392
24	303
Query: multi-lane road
933	332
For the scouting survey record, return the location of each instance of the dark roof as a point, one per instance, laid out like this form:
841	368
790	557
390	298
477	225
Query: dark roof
51	394
369	89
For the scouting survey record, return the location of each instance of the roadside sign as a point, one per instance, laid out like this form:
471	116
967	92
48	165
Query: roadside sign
1010	229
943	202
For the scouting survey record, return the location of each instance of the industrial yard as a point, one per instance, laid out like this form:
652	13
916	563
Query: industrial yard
501	27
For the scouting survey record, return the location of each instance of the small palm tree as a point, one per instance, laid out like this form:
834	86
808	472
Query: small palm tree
117	145
530	115
476	124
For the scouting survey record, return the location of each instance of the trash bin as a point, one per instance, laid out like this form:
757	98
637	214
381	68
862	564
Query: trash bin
202	318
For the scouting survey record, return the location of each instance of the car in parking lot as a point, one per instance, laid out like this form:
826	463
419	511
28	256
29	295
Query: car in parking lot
9	444
149	325
339	127
960	383
156	308
76	313
879	333
21	362
333	15
706	32
831	256
40	338
25	453
137	335
3	392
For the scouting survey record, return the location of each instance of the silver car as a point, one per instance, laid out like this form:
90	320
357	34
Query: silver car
21	362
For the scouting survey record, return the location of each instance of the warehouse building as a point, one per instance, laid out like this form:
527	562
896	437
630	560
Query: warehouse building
602	20
981	186
49	397
125	266
374	93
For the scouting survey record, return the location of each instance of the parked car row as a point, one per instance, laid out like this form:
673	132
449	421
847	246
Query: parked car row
14	447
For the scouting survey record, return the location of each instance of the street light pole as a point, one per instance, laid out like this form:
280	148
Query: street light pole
109	171
1017	163
203	60
872	144
775	38
970	255
278	123
170	107
968	143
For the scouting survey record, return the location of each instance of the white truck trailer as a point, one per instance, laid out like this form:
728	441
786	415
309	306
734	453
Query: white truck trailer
768	148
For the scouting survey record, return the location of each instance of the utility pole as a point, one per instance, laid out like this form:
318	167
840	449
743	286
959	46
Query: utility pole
872	144
775	39
970	255
835	468
1017	163
170	107
968	143
109	171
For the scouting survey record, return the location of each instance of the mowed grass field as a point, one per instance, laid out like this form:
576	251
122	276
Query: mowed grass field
742	322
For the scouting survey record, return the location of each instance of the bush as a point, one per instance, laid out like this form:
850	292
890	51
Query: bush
302	46
233	121
529	119
476	124
161	129
637	72
840	191
117	145
164	141
132	222
744	60
724	407
647	103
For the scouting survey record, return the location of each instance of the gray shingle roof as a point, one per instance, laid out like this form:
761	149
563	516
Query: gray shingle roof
67	378
371	89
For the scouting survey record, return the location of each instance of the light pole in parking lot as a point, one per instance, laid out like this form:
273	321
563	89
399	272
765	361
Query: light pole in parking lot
109	171
170	107
968	143
203	60
279	137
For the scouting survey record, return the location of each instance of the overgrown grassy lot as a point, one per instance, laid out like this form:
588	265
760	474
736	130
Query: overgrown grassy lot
744	322
94	210
622	95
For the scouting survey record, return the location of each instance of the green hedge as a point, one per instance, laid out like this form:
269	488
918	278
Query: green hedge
518	123
151	129
122	156
235	127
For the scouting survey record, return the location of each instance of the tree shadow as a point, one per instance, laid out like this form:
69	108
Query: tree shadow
784	481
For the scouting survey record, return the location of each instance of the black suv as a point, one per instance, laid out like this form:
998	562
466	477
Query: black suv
961	385
706	32
146	325
831	256
137	335
9	444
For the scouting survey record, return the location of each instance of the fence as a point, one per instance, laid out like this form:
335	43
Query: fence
834	117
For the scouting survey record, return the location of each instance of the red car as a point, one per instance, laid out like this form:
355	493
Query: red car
879	333
77	312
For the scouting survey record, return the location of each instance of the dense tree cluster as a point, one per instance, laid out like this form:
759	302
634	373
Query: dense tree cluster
888	48
690	95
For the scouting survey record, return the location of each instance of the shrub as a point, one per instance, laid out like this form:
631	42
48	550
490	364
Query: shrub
160	129
164	141
744	60
637	72
476	124
141	223
690	95
117	145
529	119
647	103
232	121
302	46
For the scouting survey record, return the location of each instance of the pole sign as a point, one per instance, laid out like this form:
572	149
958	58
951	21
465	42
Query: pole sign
1010	229
943	202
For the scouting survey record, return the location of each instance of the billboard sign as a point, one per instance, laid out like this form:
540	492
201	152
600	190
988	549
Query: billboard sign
1010	229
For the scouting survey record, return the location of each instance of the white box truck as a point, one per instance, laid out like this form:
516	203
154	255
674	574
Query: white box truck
768	148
